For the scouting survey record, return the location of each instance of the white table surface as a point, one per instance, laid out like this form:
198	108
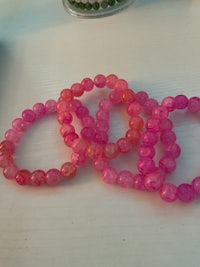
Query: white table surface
155	45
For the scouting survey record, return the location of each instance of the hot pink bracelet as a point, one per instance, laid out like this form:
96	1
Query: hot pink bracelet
169	192
12	137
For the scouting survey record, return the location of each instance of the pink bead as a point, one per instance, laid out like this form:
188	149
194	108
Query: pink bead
169	103
168	192
146	165
124	145
62	106
7	147
127	96
79	146
153	181
115	97
146	151
160	112
134	109
125	179
153	124
102	115
75	104
50	106
69	139
101	137
53	177
12	136
39	109
172	150
180	101
100	81
5	160
28	115
150	138
141	97
67	129
110	175
100	164
166	124
95	151
10	171
19	125
105	104
133	136
167	137
78	159
77	89
88	133
121	85
194	104
64	117
186	193
67	95
111	151
87	84
167	164
88	121
82	112
38	178
139	182
102	125
111	81
196	184
23	177
149	105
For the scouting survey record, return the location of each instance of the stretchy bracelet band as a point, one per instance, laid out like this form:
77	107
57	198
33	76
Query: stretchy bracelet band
12	137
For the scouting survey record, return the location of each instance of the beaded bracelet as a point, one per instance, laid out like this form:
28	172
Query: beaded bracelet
169	192
12	137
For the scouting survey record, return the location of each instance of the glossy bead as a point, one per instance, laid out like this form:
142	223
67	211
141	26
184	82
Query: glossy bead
102	125
10	171
111	81
94	151
75	104
101	137
146	165
77	89
88	121
50	106
79	146
66	129
134	109
82	112
53	177
67	95
87	84
100	81
141	97
153	181
121	85
7	147
153	124
23	177
12	136
127	96
168	192
5	160
146	151
39	110
160	112
62	106
111	151
110	175
166	124
28	115
102	115
125	179
78	159
68	170
69	139
196	184
19	125
64	117
37	178
139	182
124	145
194	104
100	164
136	123
88	133
167	164
185	193
149	138
149	105
172	150
167	137
105	104
180	102
169	103
115	97
133	136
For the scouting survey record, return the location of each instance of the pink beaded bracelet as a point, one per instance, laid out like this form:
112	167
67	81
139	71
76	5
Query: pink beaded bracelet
12	137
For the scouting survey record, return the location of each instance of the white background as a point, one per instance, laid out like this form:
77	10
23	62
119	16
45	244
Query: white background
155	45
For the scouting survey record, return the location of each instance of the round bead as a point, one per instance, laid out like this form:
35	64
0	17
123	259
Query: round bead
141	97
149	138
10	171
124	145
149	105
79	146
160	112
167	164
115	97
12	136
67	129
121	85
23	177
127	96
77	89
7	147
78	159
64	117
180	102
146	165
88	133
19	125
53	177
194	104
168	192
139	182
75	104
37	178
169	103
196	184
125	179
88	121
39	109
136	123
69	139
153	124
51	106
94	151
111	151
185	193
172	150
111	81
67	95
110	175
82	112
87	84
100	81
167	137
146	151
28	115
5	160
153	181
133	136
68	170
134	109
101	137
105	104
100	164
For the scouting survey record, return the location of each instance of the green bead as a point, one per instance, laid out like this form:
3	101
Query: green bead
96	5
88	6
76	4
81	5
104	4
111	2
